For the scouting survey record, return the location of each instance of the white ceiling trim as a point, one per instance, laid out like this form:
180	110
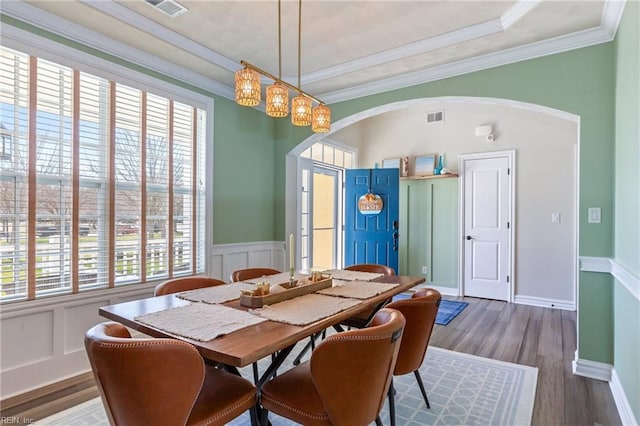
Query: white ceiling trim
411	49
45	20
516	12
559	44
33	44
493	26
606	32
508	18
161	32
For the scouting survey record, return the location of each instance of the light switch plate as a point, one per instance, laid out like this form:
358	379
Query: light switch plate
555	217
594	215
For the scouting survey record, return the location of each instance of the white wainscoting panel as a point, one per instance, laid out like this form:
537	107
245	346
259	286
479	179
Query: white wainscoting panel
19	351
43	340
623	276
227	258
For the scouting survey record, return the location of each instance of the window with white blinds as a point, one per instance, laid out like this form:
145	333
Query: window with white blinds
101	184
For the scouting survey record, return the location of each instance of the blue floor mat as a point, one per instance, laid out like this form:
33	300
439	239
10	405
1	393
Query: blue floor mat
449	309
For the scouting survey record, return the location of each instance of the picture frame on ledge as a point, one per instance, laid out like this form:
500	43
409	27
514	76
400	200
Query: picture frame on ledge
424	165
391	163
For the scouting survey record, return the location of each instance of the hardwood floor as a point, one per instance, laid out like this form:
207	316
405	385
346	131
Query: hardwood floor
539	337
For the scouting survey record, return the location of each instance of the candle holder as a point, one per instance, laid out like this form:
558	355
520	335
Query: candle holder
291	277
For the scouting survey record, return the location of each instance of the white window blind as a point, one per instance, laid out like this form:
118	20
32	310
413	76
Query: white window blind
101	184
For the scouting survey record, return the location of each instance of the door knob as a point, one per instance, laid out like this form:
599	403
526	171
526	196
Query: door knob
469	237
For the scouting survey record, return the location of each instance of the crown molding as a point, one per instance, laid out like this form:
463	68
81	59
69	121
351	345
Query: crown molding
411	49
516	12
612	13
508	18
559	44
163	33
79	34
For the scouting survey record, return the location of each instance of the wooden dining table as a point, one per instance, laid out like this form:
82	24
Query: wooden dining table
248	345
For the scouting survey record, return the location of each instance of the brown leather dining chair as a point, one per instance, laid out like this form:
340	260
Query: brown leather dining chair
162	381
360	320
420	313
344	382
249	273
184	284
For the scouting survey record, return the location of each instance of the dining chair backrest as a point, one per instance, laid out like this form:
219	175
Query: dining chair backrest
250	273
185	283
135	376
371	267
420	313
352	370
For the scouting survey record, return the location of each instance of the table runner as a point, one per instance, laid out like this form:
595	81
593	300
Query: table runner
200	321
342	274
356	289
216	294
275	279
305	309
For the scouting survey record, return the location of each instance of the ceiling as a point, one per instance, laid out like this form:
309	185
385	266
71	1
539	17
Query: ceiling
348	48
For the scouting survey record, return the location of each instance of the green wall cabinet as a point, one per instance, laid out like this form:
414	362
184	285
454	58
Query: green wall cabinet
429	230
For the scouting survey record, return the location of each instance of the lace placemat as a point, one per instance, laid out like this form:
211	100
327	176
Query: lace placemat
200	321
216	294
305	309
275	279
356	289
342	274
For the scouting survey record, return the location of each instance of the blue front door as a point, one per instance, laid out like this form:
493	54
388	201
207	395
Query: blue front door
371	238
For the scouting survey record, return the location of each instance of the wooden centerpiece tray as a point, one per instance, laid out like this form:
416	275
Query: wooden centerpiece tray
289	293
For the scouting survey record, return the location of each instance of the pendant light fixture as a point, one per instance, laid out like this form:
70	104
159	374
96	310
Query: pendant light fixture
247	87
321	119
277	95
300	105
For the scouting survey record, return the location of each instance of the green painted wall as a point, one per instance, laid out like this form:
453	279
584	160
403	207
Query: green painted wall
581	82
626	307
250	154
244	191
429	230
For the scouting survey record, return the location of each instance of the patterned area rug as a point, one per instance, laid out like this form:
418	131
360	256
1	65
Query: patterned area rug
463	390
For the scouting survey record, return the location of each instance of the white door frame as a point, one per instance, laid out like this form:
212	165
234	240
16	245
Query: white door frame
511	156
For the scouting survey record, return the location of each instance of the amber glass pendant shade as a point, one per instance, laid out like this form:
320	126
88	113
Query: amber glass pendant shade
247	87
321	119
277	100
301	111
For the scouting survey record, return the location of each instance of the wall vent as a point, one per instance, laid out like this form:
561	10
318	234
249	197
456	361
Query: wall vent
168	7
435	116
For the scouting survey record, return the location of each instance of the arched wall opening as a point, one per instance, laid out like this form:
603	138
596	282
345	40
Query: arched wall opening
546	141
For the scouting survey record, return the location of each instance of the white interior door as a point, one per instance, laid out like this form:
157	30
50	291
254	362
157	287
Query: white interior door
488	183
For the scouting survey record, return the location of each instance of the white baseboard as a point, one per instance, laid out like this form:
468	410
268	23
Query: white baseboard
545	303
445	291
622	403
592	369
